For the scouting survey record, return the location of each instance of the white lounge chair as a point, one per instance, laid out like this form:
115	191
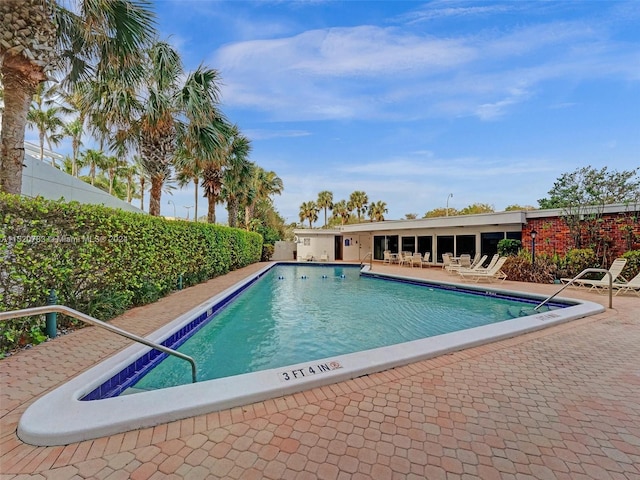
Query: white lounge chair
615	270
386	256
632	286
324	257
475	267
493	274
309	257
476	259
425	258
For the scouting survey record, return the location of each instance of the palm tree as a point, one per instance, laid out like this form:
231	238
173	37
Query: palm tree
325	201
238	169
92	158
45	117
129	173
262	185
178	112
94	38
189	171
309	211
377	211
74	129
358	201
340	208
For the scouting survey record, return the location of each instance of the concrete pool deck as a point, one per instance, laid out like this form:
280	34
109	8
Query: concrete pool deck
563	402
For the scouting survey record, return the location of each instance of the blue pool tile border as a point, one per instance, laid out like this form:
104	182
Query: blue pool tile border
140	367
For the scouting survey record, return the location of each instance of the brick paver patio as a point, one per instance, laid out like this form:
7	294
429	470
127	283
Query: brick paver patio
562	403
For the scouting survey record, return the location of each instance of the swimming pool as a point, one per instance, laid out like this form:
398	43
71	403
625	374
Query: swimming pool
77	420
300	313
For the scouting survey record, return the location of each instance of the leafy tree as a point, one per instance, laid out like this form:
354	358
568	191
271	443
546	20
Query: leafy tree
476	208
97	38
588	186
582	196
516	207
358	201
441	212
309	211
325	201
410	216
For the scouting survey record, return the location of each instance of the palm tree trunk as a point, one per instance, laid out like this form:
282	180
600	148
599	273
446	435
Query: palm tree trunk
232	208
247	216
155	195
211	212
195	185
19	79
41	138
142	193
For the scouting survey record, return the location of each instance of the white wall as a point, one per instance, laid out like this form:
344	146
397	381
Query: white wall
317	244
283	250
44	180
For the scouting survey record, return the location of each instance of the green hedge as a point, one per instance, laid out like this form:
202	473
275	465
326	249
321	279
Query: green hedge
103	261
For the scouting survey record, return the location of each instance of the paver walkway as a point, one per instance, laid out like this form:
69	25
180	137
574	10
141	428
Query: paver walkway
559	403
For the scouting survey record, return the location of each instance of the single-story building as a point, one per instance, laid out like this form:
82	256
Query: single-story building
465	234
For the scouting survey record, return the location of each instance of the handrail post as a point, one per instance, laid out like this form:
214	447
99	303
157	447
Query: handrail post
51	318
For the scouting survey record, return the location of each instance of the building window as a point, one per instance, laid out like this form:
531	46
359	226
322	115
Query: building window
306	241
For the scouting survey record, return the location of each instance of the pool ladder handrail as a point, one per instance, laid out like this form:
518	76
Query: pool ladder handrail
27	312
581	274
370	260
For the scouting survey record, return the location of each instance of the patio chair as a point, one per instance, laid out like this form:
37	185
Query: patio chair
309	257
416	259
465	261
324	257
446	260
405	258
386	256
476	259
425	258
615	270
632	286
493	274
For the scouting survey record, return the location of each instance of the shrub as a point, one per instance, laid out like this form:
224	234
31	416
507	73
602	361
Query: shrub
632	268
508	247
267	252
103	261
519	268
579	259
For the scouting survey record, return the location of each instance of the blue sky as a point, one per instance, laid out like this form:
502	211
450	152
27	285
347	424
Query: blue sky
412	101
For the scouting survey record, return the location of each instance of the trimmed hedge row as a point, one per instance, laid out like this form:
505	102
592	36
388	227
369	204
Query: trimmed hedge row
103	261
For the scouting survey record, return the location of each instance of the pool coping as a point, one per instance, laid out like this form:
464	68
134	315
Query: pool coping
74	420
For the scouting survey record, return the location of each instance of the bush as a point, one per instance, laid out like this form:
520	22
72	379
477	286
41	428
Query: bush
508	247
632	268
519	268
267	252
579	259
103	261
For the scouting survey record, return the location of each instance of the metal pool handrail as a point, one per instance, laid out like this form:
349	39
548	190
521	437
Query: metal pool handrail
365	258
582	273
27	312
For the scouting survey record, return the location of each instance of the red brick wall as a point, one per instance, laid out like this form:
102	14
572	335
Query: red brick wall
554	236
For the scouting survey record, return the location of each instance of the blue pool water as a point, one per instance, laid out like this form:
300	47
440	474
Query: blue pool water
299	313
